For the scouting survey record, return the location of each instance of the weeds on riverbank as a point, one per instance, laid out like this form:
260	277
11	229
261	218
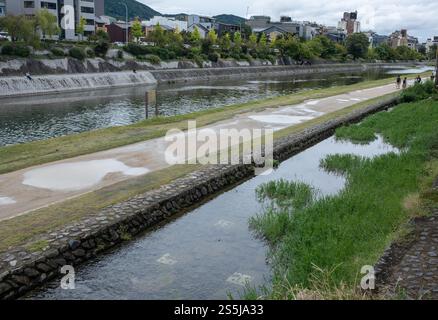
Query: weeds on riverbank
340	234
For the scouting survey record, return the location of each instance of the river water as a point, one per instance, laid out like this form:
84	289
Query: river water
36	118
209	252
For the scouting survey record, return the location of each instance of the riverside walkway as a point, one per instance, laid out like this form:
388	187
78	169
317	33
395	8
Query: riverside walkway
35	187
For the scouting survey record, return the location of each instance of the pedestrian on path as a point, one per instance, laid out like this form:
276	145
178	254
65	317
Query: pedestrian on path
418	80
405	83
398	82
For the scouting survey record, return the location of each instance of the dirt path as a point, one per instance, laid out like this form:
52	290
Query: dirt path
35	187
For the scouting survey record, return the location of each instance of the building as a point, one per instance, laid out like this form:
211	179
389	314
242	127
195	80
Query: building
166	22
207	22
2	8
333	33
349	23
430	43
401	38
223	28
286	26
117	32
87	9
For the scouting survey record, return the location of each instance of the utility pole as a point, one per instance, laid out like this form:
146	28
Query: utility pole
436	69
127	25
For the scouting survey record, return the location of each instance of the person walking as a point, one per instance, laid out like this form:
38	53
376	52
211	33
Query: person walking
405	83
419	80
398	82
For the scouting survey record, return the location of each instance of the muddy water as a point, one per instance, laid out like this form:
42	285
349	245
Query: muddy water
208	252
36	118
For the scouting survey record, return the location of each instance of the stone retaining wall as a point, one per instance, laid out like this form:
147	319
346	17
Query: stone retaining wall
208	74
21	270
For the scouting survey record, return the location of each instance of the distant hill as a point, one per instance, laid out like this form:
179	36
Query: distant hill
114	9
230	19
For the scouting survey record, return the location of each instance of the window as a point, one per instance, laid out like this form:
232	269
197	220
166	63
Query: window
48	5
87	10
89	22
29	4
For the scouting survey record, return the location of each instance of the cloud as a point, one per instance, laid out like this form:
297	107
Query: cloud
419	16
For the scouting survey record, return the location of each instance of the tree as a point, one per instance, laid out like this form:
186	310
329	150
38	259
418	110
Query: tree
137	29
80	28
237	44
47	23
195	37
159	36
357	45
212	36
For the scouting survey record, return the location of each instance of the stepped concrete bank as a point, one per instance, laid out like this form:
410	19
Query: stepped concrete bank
102	78
22	270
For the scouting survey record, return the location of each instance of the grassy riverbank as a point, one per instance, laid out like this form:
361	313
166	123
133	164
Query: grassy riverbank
318	246
25	155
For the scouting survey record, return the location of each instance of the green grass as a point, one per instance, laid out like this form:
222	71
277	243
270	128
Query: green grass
339	234
29	154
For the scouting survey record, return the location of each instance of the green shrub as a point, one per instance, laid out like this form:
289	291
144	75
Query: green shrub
8	49
418	92
90	53
77	53
213	56
16	50
58	52
101	48
153	59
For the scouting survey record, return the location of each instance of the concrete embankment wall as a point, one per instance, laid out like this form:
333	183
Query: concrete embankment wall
21	270
208	74
57	83
37	85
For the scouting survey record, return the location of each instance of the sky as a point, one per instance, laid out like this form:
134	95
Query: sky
382	16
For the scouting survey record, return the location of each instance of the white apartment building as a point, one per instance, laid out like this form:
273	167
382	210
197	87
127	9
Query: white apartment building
82	8
2	8
167	22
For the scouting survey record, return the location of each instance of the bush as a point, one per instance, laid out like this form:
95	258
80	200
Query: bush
8	49
120	54
90	53
16	50
101	48
213	56
58	52
153	59
418	92
77	53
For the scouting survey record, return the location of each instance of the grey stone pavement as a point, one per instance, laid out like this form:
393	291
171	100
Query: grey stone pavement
416	275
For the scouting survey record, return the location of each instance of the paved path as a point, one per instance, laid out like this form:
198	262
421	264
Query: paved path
416	276
35	187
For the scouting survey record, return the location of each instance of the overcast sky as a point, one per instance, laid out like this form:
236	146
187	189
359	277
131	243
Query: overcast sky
420	17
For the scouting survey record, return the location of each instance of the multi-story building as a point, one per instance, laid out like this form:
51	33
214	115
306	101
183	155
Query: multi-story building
87	9
349	23
2	8
398	38
431	42
272	29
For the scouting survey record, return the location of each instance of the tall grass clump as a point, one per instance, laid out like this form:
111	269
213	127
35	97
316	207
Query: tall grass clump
337	235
